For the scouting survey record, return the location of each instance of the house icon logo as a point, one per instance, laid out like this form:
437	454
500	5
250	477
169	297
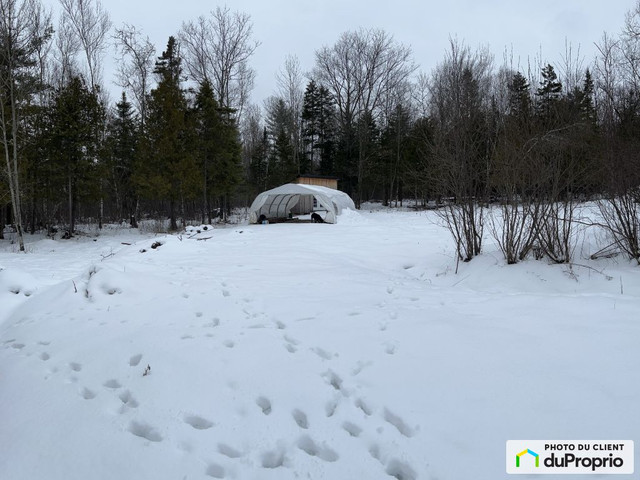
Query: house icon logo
530	452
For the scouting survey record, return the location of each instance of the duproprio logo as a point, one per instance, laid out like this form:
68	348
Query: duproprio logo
542	457
530	452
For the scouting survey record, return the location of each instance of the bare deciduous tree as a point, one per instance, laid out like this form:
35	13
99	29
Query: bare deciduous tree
90	24
136	64
361	70
290	86
217	48
460	97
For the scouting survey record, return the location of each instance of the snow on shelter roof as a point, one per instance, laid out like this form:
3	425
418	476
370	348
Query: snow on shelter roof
278	202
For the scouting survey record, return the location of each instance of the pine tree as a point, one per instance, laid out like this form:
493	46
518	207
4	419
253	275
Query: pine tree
168	170
318	131
549	93
77	118
520	103
208	126
123	138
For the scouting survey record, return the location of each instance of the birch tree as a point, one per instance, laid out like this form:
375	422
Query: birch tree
23	28
90	24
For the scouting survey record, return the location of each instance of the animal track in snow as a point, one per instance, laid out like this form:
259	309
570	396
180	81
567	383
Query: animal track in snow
280	325
374	451
307	445
264	404
400	470
228	451
17	346
44	356
360	366
229	343
330	408
113	384
127	399
352	429
197	422
144	430
333	379
397	422
291	344
322	353
134	361
214	470
87	394
301	418
362	405
75	366
390	349
213	323
273	459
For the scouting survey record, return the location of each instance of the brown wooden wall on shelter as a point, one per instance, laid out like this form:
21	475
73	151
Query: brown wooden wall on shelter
323	181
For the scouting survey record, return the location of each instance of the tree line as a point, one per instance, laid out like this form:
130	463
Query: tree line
184	141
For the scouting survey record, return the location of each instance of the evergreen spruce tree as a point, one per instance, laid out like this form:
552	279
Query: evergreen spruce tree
123	138
77	119
520	104
549	94
208	124
168	168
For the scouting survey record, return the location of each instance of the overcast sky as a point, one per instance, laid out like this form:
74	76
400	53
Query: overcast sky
299	27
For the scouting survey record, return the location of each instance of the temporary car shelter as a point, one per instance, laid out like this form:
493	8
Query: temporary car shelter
280	202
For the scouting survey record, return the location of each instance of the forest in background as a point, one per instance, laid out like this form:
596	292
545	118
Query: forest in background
183	141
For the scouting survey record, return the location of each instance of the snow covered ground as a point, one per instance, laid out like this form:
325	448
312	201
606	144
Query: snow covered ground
305	351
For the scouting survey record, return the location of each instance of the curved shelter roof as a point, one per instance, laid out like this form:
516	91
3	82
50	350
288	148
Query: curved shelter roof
278	202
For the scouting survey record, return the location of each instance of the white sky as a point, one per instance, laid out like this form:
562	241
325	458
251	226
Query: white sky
299	27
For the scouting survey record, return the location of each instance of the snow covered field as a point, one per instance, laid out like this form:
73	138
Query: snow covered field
347	351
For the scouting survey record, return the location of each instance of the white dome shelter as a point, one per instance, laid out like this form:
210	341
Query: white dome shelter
280	202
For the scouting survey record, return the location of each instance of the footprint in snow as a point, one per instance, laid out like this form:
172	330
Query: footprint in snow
87	394
274	459
113	384
215	471
265	404
307	445
400	470
44	356
127	400
144	430
197	422
75	366
134	361
399	423
323	354
300	418
362	405
352	429
228	451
